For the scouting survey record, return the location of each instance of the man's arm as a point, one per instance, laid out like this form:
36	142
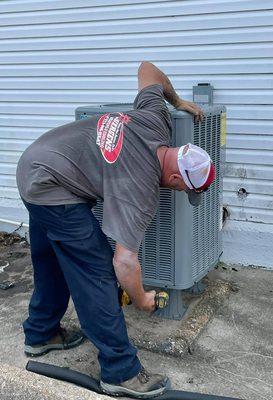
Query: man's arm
149	74
128	272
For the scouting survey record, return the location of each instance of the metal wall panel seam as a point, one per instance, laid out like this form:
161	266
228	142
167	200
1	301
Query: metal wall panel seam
212	52
235	5
264	201
177	23
242	171
14	6
251	142
250	156
255	81
72	96
251	211
229	36
250	185
113	12
250	126
262	65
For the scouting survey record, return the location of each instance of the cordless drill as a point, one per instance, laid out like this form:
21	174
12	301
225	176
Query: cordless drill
161	299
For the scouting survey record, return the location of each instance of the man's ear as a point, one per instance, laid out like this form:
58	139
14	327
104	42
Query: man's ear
175	180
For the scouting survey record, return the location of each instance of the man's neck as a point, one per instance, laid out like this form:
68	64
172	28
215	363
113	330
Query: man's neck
168	161
161	154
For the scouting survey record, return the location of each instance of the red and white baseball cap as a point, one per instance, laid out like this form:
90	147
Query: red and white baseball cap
197	170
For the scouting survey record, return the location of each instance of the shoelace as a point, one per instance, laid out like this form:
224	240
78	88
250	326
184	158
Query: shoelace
143	376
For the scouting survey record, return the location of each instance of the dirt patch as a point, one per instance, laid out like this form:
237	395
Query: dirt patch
176	338
7	239
15	264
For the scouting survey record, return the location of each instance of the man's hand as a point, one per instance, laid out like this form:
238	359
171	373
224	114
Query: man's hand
192	108
148	302
128	272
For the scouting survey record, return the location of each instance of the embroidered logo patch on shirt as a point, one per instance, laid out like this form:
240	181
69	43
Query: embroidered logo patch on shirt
110	135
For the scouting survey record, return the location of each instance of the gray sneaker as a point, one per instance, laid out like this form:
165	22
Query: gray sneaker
144	384
62	341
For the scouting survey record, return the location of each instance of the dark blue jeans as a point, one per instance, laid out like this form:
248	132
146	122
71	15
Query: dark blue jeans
72	256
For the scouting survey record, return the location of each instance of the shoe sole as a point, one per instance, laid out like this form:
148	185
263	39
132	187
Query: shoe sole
30	352
121	391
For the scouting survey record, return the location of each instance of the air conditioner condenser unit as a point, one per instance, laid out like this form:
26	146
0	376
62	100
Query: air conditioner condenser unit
183	242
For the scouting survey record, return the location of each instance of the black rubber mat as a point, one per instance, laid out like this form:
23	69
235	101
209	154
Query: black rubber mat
87	382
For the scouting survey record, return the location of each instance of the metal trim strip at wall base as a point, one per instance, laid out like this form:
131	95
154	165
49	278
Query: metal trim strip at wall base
248	244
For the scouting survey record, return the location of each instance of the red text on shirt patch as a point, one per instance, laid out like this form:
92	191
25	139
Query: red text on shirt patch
110	135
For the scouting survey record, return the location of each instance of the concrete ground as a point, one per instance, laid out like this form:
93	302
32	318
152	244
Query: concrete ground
233	355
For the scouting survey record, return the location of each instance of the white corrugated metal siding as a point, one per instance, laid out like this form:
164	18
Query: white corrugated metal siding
57	55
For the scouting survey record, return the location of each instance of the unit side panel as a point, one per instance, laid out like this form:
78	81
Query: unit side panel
183	216
206	218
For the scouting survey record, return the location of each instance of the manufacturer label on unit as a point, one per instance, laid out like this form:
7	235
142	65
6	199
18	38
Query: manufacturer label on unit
223	129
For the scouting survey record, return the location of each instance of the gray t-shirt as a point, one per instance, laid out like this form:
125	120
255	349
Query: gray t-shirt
111	157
